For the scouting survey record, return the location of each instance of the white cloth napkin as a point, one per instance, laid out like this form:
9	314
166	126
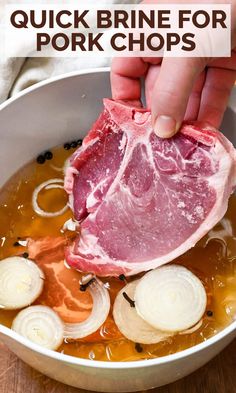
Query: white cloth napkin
18	73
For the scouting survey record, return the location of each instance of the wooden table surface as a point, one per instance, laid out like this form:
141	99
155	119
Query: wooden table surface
218	376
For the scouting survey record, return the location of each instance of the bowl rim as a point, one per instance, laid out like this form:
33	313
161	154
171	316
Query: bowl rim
97	363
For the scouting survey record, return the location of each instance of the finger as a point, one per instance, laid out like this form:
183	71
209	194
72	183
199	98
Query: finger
215	95
228	63
195	98
125	78
171	93
151	77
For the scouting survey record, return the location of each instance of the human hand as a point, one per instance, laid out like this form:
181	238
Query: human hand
177	89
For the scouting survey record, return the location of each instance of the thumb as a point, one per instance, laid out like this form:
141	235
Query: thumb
171	92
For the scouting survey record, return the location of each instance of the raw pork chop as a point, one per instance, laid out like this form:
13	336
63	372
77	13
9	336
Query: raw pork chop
141	200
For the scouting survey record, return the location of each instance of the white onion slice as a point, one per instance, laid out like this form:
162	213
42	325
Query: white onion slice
192	329
49	184
56	168
130	324
64	168
99	313
170	298
22	243
41	325
21	282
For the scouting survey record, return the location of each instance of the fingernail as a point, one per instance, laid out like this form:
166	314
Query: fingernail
165	126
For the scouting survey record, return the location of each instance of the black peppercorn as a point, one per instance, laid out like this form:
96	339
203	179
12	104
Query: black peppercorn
79	142
67	146
16	244
138	348
41	159
25	255
74	144
122	277
209	313
48	155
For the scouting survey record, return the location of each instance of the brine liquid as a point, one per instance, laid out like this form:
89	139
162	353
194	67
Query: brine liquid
213	260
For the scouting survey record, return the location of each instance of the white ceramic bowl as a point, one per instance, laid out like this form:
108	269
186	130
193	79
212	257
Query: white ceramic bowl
46	115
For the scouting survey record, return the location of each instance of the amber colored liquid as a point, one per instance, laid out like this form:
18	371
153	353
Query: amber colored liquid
213	260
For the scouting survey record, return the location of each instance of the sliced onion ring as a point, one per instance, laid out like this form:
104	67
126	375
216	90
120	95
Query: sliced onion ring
41	325
100	311
192	329
170	298
62	169
130	324
49	184
21	282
